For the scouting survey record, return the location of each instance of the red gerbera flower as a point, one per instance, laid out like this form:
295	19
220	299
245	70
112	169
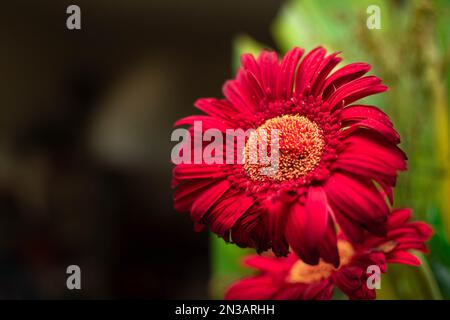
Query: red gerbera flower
338	161
291	278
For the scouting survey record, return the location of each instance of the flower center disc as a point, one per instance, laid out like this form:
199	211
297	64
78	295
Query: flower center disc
294	140
305	273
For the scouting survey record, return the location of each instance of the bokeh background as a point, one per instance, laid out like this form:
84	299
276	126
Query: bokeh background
86	118
85	124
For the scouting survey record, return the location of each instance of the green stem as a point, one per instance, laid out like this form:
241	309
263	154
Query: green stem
431	281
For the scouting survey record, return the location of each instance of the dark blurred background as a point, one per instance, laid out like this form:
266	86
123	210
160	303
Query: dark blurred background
85	124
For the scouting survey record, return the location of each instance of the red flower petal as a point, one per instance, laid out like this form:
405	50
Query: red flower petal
307	69
344	75
276	219
239	96
310	230
250	231
207	122
362	112
399	217
188	192
358	199
355	90
269	264
198	171
205	201
269	69
254	288
288	68
403	257
366	154
324	69
221	109
227	211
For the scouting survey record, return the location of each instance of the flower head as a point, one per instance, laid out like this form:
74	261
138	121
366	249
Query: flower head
291	278
337	161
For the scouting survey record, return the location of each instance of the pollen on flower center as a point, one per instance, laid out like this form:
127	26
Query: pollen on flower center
300	143
305	273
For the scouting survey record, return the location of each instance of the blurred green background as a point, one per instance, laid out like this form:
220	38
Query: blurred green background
410	52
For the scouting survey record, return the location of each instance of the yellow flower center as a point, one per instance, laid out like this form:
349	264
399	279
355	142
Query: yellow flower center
295	141
387	246
305	273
